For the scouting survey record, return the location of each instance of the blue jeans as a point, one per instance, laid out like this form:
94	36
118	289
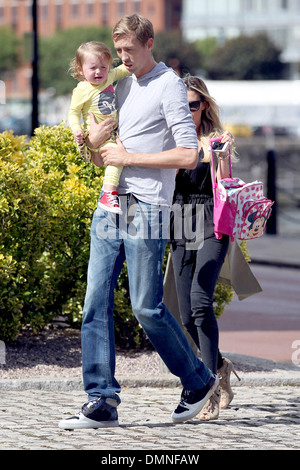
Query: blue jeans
140	241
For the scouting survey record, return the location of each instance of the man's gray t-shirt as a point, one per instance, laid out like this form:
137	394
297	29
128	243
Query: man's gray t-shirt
153	116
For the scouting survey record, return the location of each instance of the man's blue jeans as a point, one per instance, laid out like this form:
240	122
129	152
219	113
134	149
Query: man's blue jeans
139	237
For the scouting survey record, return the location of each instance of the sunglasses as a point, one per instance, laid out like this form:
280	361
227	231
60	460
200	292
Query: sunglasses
195	105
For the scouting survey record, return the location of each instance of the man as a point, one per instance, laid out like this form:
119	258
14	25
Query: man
157	131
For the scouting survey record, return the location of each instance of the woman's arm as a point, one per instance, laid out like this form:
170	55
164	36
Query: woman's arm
223	170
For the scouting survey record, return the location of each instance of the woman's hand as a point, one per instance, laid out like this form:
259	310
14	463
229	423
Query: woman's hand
228	137
223	170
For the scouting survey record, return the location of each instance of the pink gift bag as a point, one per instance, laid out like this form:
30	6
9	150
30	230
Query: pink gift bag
240	209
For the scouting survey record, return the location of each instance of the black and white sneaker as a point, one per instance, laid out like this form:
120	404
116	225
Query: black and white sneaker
99	413
192	401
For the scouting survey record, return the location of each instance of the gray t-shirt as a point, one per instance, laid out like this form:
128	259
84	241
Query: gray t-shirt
153	116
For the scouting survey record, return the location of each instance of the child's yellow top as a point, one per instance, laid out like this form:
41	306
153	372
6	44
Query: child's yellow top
97	99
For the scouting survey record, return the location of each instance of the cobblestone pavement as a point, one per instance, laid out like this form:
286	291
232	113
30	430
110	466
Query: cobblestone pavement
260	418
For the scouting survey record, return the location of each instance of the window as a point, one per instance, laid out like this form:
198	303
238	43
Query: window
74	10
104	13
44	12
90	8
14	15
1	13
249	5
136	6
58	14
121	7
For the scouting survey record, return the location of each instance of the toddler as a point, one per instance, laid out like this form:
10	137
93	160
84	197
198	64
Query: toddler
95	94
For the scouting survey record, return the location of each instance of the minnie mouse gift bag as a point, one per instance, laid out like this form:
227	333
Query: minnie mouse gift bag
240	209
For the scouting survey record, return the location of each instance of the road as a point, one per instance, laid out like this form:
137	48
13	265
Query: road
268	324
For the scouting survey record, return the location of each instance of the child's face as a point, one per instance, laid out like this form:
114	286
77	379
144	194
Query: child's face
94	69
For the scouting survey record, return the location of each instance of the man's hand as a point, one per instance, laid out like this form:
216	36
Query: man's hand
101	132
115	155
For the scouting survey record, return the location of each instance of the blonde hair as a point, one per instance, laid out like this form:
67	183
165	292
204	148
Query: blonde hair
210	126
135	24
99	49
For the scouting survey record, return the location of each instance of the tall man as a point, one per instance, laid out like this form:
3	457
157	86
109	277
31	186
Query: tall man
158	136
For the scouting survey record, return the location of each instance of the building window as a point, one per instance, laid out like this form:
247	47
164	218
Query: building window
74	10
151	10
249	5
14	15
90	9
121	7
44	12
105	13
58	14
29	12
1	13
136	6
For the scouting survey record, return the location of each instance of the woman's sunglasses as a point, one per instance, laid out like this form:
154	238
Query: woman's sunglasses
195	105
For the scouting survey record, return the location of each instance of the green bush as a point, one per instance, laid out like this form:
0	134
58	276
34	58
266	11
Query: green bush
47	198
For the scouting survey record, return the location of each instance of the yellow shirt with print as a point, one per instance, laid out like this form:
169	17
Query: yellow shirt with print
96	99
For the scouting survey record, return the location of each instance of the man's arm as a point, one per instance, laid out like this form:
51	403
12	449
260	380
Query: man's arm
178	157
98	134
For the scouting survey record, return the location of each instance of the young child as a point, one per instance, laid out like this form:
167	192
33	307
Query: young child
95	94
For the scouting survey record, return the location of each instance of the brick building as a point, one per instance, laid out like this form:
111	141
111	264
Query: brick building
54	15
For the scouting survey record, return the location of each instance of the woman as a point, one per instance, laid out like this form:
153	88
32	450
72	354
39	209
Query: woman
196	271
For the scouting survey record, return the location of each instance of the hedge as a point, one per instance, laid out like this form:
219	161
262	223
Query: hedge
47	198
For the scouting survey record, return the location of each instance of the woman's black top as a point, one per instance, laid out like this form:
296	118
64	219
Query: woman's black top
194	187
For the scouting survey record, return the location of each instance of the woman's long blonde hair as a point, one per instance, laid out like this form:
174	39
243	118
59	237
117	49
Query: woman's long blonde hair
210	126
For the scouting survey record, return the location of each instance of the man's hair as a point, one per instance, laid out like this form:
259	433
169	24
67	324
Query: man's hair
134	24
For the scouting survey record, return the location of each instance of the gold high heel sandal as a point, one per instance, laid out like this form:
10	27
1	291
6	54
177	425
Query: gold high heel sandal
210	410
224	376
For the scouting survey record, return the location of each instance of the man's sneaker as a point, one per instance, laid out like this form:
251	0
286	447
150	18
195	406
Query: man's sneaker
99	413
192	401
110	202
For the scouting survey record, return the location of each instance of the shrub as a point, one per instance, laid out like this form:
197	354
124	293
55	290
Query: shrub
47	198
47	195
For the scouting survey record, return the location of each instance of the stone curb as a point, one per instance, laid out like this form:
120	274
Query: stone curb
75	384
267	373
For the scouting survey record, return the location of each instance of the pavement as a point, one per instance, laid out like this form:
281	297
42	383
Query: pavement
267	324
264	414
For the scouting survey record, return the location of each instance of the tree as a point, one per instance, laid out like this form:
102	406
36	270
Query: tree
177	53
9	51
246	58
57	51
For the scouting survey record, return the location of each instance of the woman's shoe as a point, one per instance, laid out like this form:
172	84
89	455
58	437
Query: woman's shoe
226	390
211	408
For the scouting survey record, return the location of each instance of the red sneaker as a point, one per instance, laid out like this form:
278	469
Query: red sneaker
110	202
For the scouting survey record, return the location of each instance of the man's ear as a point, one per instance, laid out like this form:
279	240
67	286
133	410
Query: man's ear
149	43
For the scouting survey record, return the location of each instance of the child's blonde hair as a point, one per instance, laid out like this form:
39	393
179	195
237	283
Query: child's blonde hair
96	48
